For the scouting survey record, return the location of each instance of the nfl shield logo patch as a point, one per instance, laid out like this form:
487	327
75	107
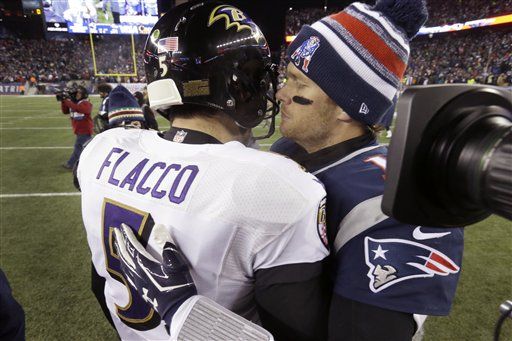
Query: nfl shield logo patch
180	136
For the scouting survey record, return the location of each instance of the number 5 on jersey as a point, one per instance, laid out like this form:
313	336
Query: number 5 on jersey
137	314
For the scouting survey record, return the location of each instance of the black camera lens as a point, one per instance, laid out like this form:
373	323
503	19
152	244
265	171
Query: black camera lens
468	165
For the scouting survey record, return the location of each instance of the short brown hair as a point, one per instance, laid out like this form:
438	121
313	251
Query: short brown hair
104	87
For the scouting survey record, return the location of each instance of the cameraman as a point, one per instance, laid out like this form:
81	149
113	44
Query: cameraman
79	109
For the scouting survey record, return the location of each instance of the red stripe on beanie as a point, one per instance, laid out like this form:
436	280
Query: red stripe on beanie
372	42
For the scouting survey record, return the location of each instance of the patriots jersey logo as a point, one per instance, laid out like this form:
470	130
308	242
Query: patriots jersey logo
305	51
395	260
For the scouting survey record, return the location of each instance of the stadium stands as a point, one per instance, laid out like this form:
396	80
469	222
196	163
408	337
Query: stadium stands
483	56
444	12
65	60
480	55
441	12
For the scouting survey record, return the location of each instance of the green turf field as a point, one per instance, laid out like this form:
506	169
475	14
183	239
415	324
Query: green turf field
43	248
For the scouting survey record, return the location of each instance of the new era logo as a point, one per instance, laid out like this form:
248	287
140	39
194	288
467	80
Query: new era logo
364	109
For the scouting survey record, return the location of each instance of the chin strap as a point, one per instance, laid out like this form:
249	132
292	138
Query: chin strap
274	108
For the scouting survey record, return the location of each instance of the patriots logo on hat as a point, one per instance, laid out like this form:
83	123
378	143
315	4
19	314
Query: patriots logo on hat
305	51
391	261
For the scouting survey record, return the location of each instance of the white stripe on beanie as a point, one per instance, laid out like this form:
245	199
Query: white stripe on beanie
398	36
363	52
377	27
354	62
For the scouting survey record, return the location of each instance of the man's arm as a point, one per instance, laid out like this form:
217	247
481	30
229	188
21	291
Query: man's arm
168	287
351	320
64	108
83	107
293	300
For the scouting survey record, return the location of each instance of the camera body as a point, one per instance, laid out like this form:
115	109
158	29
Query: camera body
66	93
447	160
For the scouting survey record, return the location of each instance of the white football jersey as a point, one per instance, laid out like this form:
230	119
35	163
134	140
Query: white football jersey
231	210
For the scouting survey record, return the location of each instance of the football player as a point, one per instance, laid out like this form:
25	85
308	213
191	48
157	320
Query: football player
121	110
388	275
249	223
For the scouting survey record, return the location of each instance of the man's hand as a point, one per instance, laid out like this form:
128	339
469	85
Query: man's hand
165	285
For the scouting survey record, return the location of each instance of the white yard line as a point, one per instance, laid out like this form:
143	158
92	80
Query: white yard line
29	148
32	117
35	128
25	109
28	195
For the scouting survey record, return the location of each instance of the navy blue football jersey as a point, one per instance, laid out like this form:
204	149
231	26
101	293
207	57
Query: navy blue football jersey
378	260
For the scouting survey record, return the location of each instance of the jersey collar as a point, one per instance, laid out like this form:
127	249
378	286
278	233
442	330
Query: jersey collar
189	136
324	157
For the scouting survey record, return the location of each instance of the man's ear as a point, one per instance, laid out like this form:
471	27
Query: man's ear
341	115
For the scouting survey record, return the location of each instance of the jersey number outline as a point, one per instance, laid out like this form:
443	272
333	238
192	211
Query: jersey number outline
379	161
137	314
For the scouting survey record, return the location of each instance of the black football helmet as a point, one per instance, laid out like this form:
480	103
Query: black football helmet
214	55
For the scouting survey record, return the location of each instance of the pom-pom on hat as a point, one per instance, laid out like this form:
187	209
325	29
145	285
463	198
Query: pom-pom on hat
358	56
123	107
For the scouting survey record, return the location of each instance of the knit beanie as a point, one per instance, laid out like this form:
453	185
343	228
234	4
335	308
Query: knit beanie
358	56
123	107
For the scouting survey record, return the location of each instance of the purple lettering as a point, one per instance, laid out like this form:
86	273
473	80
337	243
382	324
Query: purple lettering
111	179
155	193
173	197
144	190
107	163
134	174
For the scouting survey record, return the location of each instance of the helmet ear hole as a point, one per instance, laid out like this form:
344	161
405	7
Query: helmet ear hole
163	93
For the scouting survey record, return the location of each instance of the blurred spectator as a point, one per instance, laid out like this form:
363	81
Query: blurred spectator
79	110
101	119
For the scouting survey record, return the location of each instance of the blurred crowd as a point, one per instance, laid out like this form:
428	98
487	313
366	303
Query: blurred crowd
296	18
441	12
477	56
444	12
483	56
64	60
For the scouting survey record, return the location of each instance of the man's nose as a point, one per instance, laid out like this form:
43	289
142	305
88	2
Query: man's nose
282	97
